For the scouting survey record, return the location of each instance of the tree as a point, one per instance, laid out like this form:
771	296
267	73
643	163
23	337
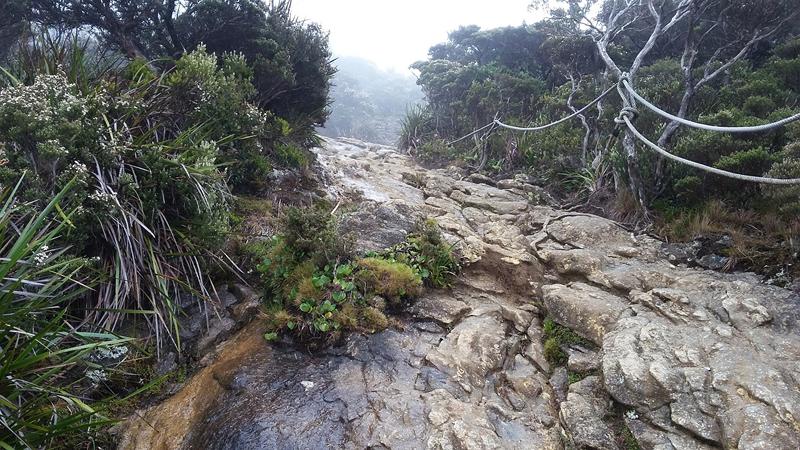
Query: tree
12	23
718	34
290	58
129	25
715	35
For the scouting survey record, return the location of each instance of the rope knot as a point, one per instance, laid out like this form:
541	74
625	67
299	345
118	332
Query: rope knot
629	112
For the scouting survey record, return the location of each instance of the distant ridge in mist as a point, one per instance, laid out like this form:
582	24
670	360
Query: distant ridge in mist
368	103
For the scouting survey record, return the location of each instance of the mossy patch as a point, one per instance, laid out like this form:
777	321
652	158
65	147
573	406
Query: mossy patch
428	254
315	289
556	337
629	442
391	280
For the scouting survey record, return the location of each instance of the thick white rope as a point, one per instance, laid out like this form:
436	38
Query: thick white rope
470	134
573	115
629	113
626	119
753	129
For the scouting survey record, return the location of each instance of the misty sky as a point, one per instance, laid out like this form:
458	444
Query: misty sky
396	33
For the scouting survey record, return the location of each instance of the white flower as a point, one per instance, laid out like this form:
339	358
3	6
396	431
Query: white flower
631	414
111	352
96	376
41	255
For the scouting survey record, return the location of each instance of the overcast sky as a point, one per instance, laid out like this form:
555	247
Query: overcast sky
395	33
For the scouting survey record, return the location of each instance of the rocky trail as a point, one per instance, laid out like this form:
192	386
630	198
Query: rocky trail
679	358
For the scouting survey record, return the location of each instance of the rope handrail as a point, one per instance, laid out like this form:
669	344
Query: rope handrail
470	134
751	129
571	116
696	165
628	113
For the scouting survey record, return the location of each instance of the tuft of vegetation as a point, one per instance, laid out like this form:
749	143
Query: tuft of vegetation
316	289
629	442
43	359
761	240
415	128
428	254
556	338
391	280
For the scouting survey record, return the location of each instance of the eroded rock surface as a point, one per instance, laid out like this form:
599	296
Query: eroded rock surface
685	359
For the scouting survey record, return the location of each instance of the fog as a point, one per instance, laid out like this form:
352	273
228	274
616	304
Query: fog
394	34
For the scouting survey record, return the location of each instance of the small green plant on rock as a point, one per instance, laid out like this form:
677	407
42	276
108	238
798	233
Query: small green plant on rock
392	280
556	337
316	287
428	254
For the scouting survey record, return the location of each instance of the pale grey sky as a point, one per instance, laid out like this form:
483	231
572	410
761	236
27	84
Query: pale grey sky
395	33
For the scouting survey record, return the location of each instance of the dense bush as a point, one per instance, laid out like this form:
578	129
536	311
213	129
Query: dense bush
154	157
141	158
151	197
43	356
428	254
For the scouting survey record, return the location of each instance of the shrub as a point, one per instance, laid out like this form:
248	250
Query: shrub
787	197
316	291
758	106
293	156
150	197
42	357
312	233
416	127
755	161
689	189
428	254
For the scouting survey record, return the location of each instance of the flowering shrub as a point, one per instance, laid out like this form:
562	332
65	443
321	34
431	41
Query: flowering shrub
149	195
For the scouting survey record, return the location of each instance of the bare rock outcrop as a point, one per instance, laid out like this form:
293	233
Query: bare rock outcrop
684	358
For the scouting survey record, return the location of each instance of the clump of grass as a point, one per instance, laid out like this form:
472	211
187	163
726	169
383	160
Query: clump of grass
556	337
316	289
416	126
629	442
42	358
391	280
428	254
759	239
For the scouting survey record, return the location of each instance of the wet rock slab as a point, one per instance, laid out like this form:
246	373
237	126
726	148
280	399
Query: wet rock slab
381	391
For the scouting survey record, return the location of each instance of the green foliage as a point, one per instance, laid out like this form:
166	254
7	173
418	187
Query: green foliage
293	156
394	281
788	166
437	152
317	290
755	161
689	189
416	127
150	195
556	337
290	59
628	440
428	254
42	357
313	235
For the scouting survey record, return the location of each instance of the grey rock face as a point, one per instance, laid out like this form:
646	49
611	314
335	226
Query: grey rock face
583	412
377	226
686	359
684	349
